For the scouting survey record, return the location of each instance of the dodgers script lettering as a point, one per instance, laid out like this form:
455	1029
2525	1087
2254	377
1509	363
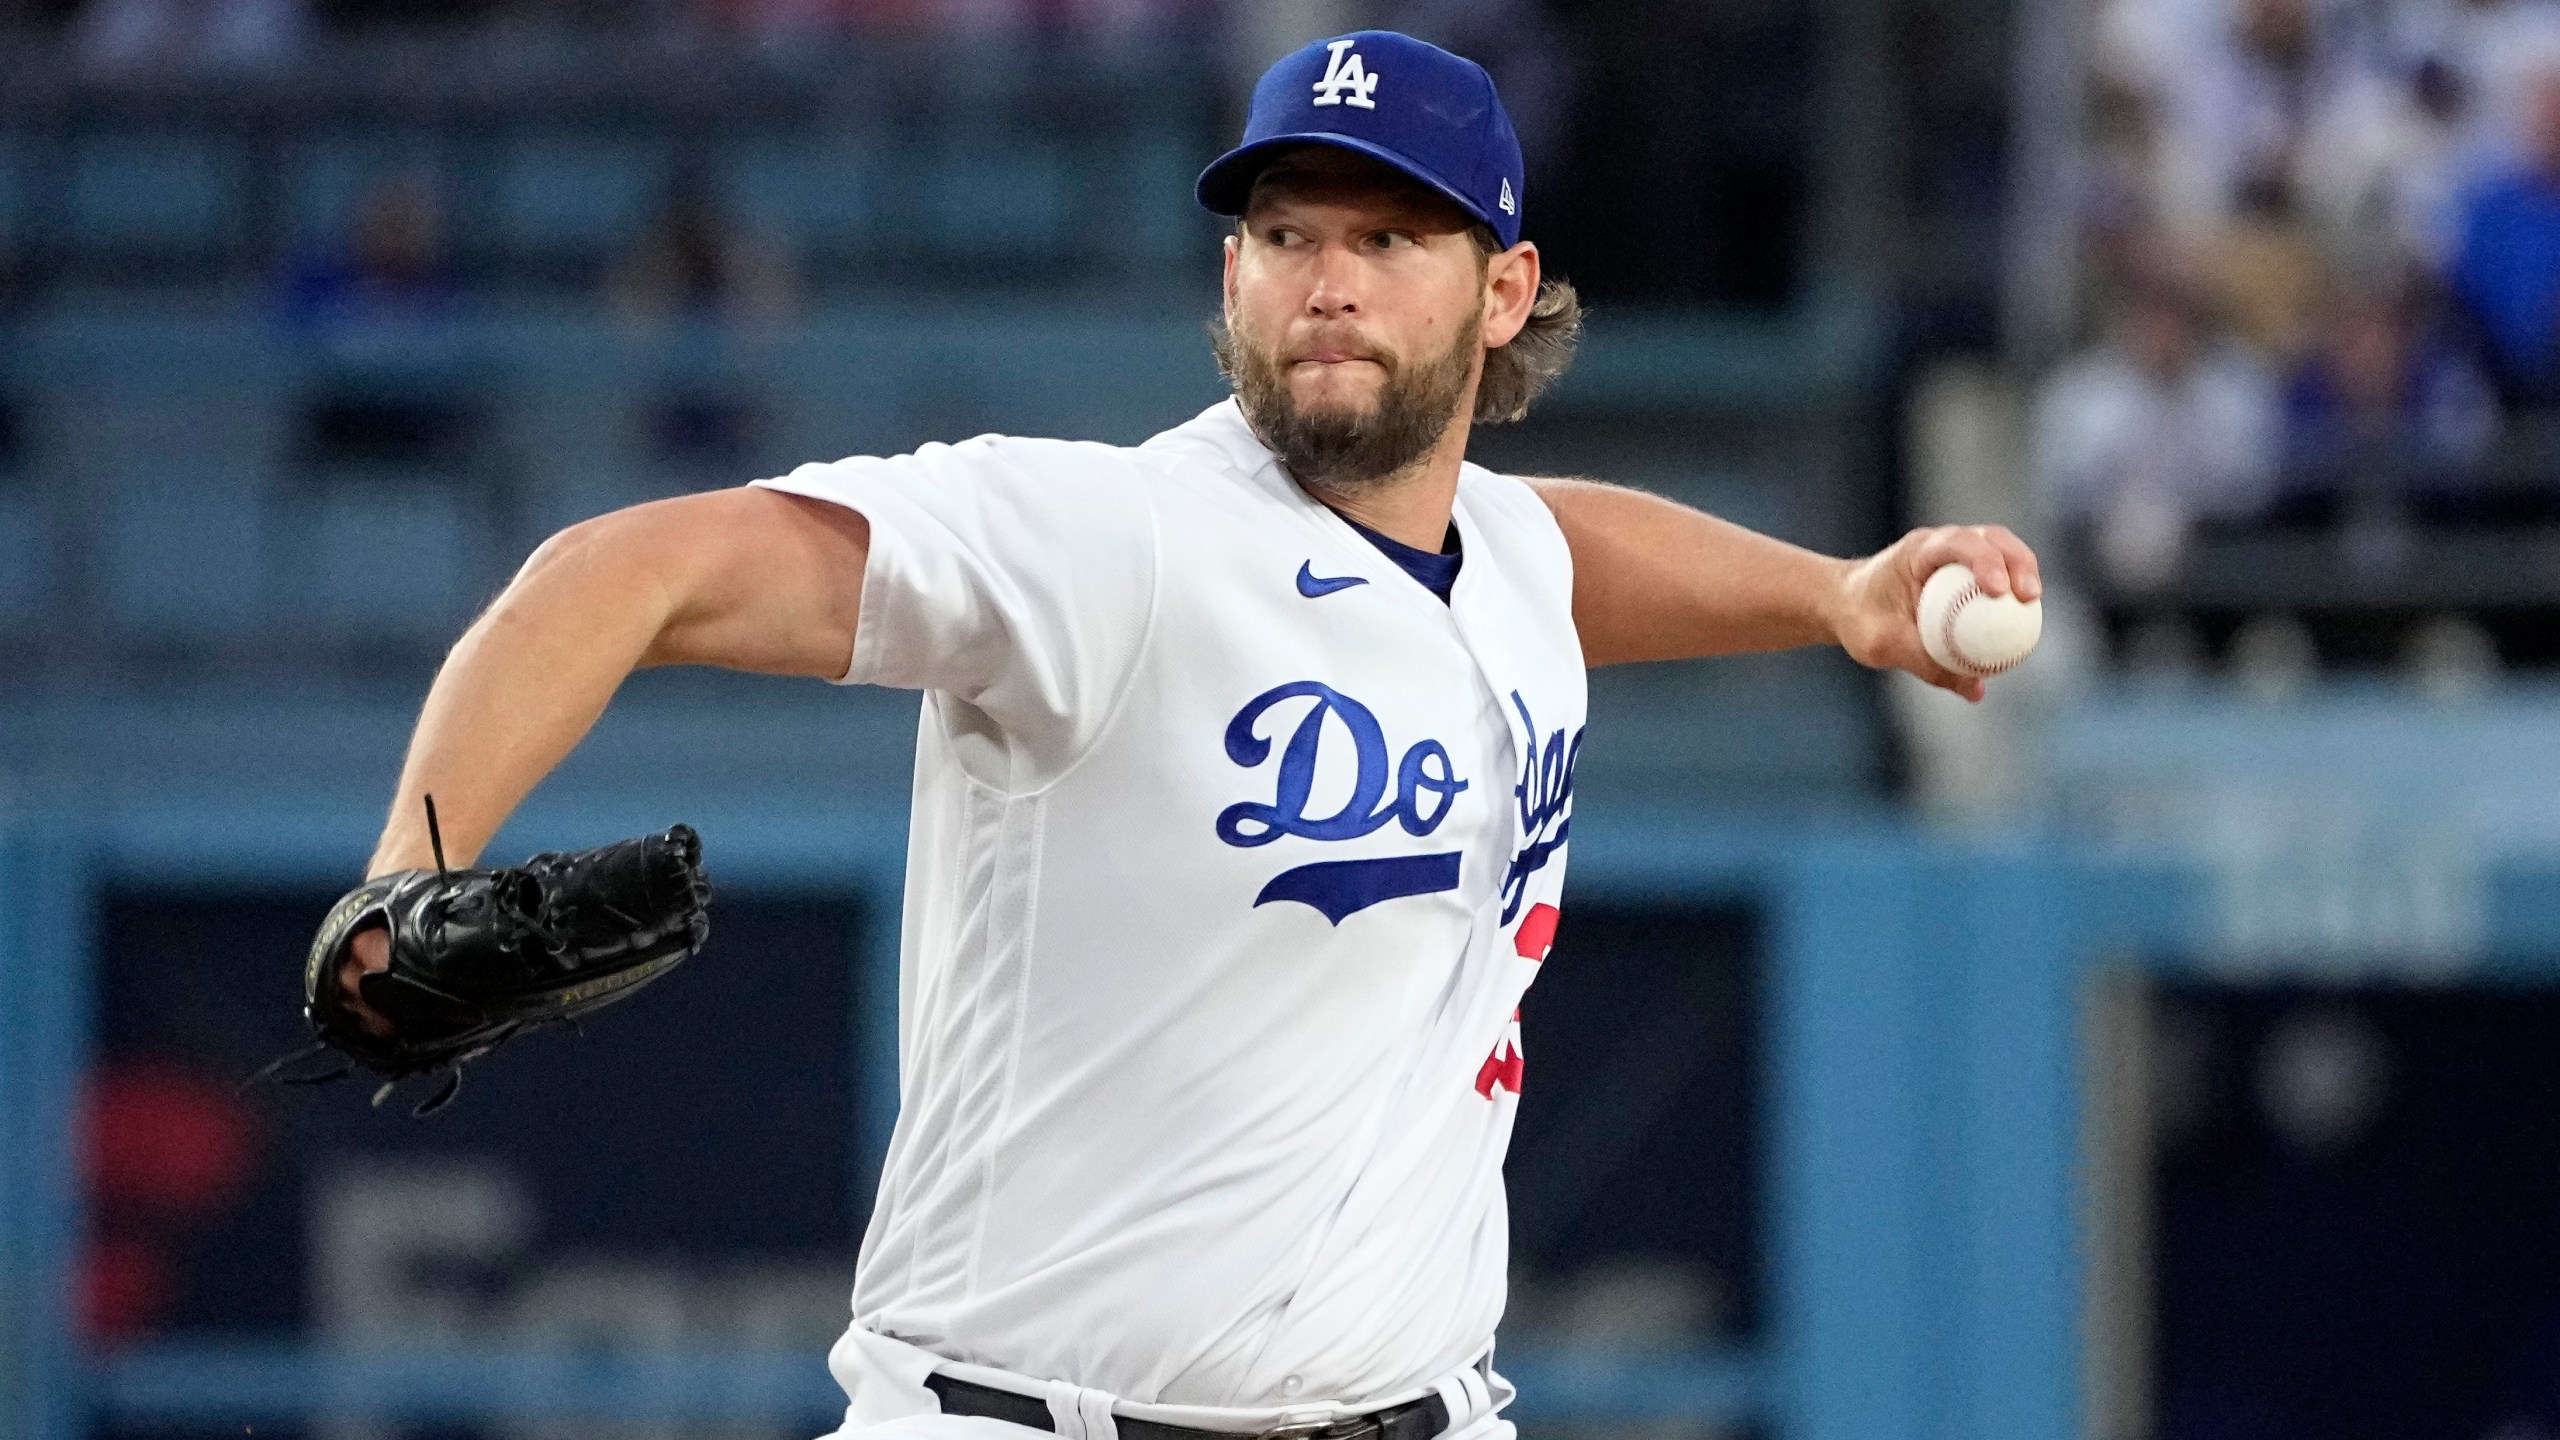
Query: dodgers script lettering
1425	786
1545	793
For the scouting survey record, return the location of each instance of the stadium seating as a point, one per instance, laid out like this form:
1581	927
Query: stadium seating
14	187
26	554
567	204
997	202
158	200
325	177
824	199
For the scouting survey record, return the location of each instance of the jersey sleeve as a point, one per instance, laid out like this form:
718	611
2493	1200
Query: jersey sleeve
1015	575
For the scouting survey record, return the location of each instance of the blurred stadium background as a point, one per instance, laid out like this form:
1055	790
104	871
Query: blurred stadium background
2164	1049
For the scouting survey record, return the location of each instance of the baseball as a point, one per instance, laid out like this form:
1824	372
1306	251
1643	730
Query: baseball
1972	633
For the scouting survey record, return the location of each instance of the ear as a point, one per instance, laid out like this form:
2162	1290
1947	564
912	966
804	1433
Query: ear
1510	288
1229	283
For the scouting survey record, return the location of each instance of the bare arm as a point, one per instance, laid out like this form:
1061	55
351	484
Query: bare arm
1656	580
744	579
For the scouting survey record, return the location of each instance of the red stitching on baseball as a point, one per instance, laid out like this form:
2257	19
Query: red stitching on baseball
1965	664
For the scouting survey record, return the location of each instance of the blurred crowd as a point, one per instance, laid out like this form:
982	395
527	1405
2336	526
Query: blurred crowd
397	384
2323	278
141	36
394	263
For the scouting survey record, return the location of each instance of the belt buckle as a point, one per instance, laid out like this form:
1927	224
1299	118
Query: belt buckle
1341	1429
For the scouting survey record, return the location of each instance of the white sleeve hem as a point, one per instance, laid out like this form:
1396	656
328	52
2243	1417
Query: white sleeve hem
864	663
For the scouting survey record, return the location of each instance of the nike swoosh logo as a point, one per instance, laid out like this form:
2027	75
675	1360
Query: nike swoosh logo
1312	585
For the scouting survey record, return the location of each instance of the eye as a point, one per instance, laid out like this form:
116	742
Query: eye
1391	240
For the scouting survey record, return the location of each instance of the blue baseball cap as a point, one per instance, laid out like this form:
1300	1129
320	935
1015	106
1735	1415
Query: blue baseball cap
1426	112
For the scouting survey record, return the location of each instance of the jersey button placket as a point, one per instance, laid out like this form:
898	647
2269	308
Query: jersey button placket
1292	1385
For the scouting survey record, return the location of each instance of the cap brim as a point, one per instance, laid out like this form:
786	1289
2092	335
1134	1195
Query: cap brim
1228	182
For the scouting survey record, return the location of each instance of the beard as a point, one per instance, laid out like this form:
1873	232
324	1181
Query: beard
1346	451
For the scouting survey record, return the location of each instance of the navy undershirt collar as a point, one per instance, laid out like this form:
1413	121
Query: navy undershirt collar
1435	573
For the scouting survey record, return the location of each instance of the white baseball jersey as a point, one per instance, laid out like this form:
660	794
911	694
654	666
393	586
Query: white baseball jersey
1233	850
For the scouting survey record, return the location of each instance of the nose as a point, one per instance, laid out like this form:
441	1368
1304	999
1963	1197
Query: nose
1335	293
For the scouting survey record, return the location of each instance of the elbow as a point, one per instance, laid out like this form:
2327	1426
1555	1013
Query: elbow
619	549
605	565
579	544
564	549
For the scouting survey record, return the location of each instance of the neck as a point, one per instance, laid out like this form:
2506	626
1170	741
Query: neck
1413	504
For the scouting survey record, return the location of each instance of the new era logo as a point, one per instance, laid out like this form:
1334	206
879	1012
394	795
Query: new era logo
1345	75
1509	206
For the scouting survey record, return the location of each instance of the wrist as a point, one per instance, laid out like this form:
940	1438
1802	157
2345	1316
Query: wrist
390	860
1835	601
404	846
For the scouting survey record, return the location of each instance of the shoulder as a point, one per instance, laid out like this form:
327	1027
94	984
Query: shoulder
1025	456
1508	499
1215	441
1006	468
1042	463
1510	512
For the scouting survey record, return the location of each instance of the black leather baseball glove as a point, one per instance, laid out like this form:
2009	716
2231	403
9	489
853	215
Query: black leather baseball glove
480	956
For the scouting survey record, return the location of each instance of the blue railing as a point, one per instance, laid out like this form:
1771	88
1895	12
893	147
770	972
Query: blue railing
1923	1267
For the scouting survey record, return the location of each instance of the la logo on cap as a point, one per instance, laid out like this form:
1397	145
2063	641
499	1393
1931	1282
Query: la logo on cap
1343	71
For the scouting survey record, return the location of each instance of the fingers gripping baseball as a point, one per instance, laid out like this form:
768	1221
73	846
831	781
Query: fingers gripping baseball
1881	627
2001	563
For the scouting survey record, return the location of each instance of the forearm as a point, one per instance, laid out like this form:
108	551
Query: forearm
744	579
522	687
1657	580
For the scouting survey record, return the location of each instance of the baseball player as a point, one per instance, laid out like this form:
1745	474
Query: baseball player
1242	796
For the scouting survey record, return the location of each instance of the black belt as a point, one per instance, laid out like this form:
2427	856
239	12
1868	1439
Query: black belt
1414	1420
